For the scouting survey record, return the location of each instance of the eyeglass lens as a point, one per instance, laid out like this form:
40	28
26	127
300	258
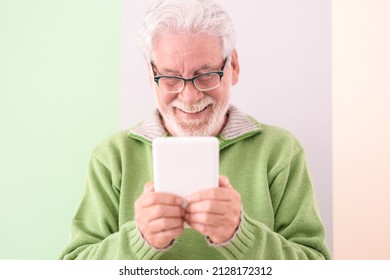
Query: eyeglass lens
202	83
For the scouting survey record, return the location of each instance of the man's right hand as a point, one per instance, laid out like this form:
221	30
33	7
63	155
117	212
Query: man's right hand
159	216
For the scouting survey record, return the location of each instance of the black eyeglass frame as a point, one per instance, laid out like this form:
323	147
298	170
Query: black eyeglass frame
158	77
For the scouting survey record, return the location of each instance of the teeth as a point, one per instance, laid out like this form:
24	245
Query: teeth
193	111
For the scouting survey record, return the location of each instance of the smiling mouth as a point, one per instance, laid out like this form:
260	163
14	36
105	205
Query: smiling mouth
195	111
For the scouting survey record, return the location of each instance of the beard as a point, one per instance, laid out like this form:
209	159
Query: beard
209	125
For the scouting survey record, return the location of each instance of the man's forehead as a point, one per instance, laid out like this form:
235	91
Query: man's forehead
178	68
183	45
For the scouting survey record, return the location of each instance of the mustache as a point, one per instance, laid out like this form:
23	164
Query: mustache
194	108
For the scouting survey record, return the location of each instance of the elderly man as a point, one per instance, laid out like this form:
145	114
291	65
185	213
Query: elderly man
264	207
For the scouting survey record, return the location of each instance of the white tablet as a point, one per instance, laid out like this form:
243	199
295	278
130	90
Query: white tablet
184	165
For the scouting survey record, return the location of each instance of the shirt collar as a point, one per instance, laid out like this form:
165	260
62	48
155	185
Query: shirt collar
237	125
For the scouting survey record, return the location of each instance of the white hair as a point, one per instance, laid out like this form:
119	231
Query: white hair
187	16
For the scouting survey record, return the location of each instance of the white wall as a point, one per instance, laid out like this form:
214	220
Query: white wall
284	51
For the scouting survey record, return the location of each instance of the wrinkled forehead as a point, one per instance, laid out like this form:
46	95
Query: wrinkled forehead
186	46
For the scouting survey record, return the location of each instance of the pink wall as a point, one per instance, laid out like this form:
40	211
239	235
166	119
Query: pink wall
361	129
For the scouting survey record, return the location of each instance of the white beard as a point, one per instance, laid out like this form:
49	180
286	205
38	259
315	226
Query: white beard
209	126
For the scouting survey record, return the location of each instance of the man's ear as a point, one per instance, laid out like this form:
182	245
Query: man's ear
235	67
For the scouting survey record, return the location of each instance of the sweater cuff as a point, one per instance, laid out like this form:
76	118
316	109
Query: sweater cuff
141	248
241	242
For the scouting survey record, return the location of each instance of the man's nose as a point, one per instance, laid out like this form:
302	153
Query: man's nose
190	94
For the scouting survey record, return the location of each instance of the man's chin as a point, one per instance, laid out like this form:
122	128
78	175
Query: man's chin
193	128
206	124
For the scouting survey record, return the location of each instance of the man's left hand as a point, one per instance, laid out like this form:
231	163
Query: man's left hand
215	212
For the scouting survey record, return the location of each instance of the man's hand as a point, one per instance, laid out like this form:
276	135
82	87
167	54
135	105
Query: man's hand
215	212
159	216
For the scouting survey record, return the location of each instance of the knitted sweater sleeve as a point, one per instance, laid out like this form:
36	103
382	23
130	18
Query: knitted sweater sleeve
95	233
298	232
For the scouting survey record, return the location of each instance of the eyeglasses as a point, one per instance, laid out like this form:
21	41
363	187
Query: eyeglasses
203	82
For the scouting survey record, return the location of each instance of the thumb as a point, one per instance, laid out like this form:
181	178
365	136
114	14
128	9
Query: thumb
224	182
149	187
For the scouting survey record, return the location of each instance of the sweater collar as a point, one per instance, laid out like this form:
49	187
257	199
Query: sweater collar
237	126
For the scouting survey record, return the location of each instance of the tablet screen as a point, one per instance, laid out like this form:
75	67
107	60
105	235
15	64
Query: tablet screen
184	165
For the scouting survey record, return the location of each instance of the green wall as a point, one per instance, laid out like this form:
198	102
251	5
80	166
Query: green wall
59	97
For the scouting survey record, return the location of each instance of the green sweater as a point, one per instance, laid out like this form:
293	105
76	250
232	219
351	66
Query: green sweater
266	165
